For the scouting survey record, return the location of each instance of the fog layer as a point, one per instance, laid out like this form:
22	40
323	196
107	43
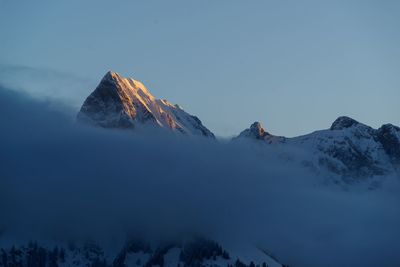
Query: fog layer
59	178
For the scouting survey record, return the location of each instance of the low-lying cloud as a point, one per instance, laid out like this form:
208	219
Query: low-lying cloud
58	177
42	83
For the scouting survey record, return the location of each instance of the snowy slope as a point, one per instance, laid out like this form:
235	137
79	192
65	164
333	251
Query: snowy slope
195	252
348	148
119	102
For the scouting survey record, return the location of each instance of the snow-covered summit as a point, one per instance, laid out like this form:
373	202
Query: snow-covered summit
348	148
119	102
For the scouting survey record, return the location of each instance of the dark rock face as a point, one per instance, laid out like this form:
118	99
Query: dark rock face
389	136
343	122
257	130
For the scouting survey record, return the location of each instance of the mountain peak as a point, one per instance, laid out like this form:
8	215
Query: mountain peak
111	76
343	122
111	73
119	102
257	130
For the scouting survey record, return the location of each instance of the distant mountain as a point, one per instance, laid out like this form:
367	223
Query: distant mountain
348	148
125	103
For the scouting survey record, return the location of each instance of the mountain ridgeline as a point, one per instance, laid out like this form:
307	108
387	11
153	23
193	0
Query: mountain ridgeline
348	149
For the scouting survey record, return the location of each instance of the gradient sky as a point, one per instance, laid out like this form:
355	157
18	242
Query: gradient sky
293	65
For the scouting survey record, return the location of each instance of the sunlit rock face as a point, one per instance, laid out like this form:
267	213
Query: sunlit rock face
348	149
119	102
257	132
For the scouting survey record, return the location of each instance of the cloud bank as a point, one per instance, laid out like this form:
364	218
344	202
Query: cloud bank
58	179
40	83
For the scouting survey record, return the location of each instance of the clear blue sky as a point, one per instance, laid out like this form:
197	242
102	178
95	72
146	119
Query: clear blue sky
293	65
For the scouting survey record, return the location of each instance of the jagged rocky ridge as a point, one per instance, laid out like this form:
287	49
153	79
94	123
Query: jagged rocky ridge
348	148
125	103
199	252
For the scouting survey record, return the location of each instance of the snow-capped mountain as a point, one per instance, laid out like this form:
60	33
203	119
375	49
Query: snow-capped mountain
197	252
348	148
119	102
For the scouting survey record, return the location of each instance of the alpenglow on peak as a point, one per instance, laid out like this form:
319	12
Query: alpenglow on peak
125	103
